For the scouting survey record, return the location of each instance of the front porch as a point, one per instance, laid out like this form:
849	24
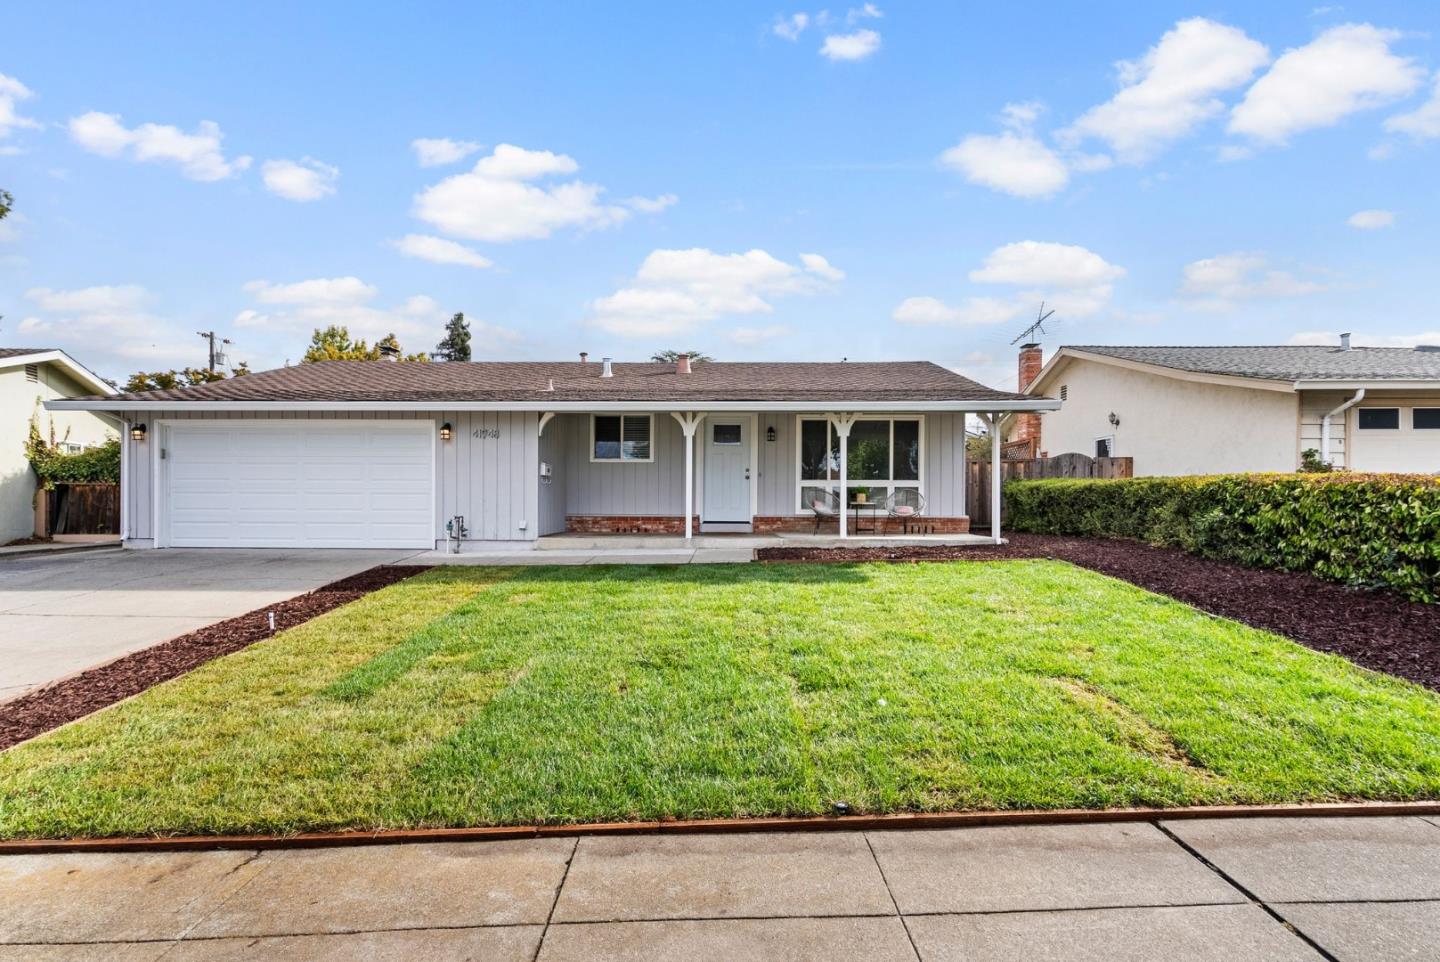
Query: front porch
782	478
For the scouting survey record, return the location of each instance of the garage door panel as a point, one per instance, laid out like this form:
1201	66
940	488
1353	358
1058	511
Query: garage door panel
320	484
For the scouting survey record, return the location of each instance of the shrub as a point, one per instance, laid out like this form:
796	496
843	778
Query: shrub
95	465
1373	531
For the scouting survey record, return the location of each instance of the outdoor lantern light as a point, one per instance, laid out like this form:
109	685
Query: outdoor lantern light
1114	420
770	433
445	431
137	433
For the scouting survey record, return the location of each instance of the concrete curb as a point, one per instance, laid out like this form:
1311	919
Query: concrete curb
924	820
26	551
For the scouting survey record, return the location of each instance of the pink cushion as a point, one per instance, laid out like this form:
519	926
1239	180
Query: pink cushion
904	509
821	507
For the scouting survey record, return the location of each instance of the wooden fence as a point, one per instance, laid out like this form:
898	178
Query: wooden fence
977	490
82	509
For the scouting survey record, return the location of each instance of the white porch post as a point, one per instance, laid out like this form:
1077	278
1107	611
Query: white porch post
994	421
688	423
843	423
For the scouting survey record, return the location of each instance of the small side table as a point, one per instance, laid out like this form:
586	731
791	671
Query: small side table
857	508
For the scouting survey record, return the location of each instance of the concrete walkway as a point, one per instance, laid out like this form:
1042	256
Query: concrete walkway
1227	890
63	613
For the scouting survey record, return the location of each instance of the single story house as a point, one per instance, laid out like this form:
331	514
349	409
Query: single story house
1205	410
30	376
402	454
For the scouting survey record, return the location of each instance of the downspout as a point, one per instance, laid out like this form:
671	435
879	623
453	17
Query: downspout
1325	424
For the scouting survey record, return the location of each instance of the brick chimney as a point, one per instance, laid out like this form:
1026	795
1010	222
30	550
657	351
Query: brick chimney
1026	427
682	364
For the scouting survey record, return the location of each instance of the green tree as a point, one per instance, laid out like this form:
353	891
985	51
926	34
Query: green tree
182	377
335	344
456	345
6	202
670	357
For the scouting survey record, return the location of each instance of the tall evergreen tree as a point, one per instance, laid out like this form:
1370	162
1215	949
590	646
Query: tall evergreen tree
456	345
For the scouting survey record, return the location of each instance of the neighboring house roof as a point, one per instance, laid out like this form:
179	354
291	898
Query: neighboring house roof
528	383
1287	363
17	356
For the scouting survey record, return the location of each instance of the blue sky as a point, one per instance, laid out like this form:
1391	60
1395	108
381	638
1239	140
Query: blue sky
756	181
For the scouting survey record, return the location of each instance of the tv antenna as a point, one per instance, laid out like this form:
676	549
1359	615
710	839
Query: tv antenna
1041	316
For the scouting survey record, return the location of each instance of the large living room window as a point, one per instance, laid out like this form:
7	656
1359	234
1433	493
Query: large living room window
621	437
884	457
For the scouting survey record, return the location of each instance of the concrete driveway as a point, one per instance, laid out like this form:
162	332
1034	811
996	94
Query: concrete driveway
60	615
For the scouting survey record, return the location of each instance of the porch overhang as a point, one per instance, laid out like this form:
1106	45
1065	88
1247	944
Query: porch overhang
914	406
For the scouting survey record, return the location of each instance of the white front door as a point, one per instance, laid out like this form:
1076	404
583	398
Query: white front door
727	471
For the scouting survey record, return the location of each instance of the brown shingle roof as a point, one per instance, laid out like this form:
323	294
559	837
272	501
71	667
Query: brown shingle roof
1286	362
575	381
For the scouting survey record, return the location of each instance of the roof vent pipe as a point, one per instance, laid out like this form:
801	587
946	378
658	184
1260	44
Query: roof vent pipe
682	364
1345	341
605	370
584	357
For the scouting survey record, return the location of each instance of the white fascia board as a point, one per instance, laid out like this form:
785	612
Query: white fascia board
860	407
81	373
1382	385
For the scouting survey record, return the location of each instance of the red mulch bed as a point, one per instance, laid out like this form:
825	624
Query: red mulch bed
70	698
1373	629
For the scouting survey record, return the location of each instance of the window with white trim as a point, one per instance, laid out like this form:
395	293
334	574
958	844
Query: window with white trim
1105	447
1378	419
885	456
621	437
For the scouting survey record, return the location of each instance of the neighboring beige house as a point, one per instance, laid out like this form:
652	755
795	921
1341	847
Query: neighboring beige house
1205	410
28	375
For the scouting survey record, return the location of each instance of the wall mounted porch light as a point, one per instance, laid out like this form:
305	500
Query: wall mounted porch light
446	431
770	433
137	433
1114	420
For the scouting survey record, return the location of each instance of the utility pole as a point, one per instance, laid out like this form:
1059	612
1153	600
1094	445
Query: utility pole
211	336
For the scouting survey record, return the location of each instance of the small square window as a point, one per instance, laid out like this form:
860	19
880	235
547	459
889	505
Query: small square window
1103	447
621	437
1425	419
1379	419
725	434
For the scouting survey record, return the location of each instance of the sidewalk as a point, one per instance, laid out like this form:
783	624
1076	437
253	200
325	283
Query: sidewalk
1230	890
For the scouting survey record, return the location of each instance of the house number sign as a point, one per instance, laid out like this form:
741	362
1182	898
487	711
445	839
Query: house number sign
484	433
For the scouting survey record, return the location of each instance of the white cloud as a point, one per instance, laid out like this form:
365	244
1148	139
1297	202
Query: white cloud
10	231
110	326
790	28
297	309
1344	70
12	92
438	151
307	179
1172	89
850	46
972	312
438	250
651	205
1422	123
865	12
1046	264
1075	281
1367	340
677	290
198	155
821	267
1216	283
748	336
1371	219
321	290
1016	164
495	201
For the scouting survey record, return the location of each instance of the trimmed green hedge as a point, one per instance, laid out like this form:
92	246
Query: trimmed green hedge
1373	531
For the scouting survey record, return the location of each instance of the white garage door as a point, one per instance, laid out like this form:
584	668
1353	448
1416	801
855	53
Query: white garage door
299	484
1400	438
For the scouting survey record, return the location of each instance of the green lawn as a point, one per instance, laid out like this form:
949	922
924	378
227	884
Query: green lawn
473	696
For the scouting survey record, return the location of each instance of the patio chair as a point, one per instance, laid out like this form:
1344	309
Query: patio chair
906	505
826	505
